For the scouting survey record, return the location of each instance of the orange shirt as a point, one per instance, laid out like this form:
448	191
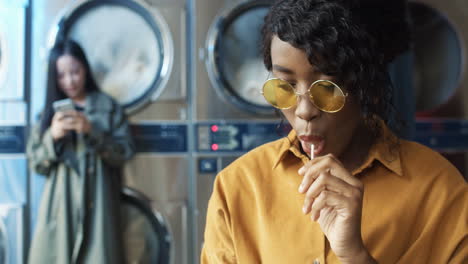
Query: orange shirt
415	208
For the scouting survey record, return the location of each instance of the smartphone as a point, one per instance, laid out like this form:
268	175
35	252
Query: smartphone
63	105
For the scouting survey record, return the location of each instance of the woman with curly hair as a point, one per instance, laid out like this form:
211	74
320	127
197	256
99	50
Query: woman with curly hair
341	187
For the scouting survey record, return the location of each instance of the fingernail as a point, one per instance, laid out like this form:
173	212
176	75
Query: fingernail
301	187
304	210
301	170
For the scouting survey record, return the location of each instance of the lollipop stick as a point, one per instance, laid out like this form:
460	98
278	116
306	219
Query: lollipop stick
312	148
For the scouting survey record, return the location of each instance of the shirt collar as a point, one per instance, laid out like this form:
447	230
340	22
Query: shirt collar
385	150
290	146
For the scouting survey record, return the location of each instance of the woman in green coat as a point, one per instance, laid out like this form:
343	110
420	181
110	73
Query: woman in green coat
80	151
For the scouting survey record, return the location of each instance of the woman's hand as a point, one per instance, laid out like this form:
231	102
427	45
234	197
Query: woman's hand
81	123
334	197
61	124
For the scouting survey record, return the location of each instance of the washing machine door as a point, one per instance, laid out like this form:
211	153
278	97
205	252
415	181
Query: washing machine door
12	34
128	45
145	234
234	60
2	58
438	56
3	243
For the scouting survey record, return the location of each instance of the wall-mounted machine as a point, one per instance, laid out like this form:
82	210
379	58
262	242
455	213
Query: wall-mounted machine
12	47
229	111
13	165
136	49
145	233
11	233
230	69
441	78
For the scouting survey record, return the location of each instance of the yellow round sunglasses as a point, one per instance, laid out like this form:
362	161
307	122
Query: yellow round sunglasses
325	95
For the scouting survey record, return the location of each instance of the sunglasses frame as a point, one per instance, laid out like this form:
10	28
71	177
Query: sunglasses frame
311	98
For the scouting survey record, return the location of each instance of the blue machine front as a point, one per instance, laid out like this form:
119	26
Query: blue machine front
12	139
447	135
230	137
166	138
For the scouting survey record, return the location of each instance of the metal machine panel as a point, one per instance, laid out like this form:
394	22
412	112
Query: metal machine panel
172	103
440	38
440	74
441	77
13	113
229	112
133	60
161	148
217	145
236	137
11	140
12	48
13	198
145	230
13	177
13	193
204	189
228	85
151	137
166	177
165	20
160	171
11	237
164	180
13	165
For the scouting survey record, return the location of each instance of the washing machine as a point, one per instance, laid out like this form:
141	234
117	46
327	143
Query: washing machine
137	53
230	114
144	229
13	199
12	64
228	84
440	36
12	45
11	233
13	113
13	192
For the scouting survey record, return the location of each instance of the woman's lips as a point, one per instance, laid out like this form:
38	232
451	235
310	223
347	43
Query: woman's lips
69	91
318	141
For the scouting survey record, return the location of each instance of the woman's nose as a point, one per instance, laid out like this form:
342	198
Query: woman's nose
67	80
305	109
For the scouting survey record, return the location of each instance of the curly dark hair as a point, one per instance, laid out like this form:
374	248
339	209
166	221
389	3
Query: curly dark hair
342	41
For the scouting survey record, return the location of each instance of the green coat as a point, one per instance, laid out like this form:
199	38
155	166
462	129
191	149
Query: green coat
79	214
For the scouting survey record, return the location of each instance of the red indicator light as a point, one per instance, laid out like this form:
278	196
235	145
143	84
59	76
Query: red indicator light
214	128
214	147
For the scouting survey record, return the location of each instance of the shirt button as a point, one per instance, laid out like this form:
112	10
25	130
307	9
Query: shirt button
90	170
316	261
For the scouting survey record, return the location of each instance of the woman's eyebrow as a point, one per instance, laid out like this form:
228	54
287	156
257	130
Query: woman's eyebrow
282	69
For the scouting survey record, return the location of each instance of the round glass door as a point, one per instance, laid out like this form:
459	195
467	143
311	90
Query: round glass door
3	61
128	46
437	57
6	91
235	64
146	238
3	243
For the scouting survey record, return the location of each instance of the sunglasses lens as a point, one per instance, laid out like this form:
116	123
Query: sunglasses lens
327	96
279	93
